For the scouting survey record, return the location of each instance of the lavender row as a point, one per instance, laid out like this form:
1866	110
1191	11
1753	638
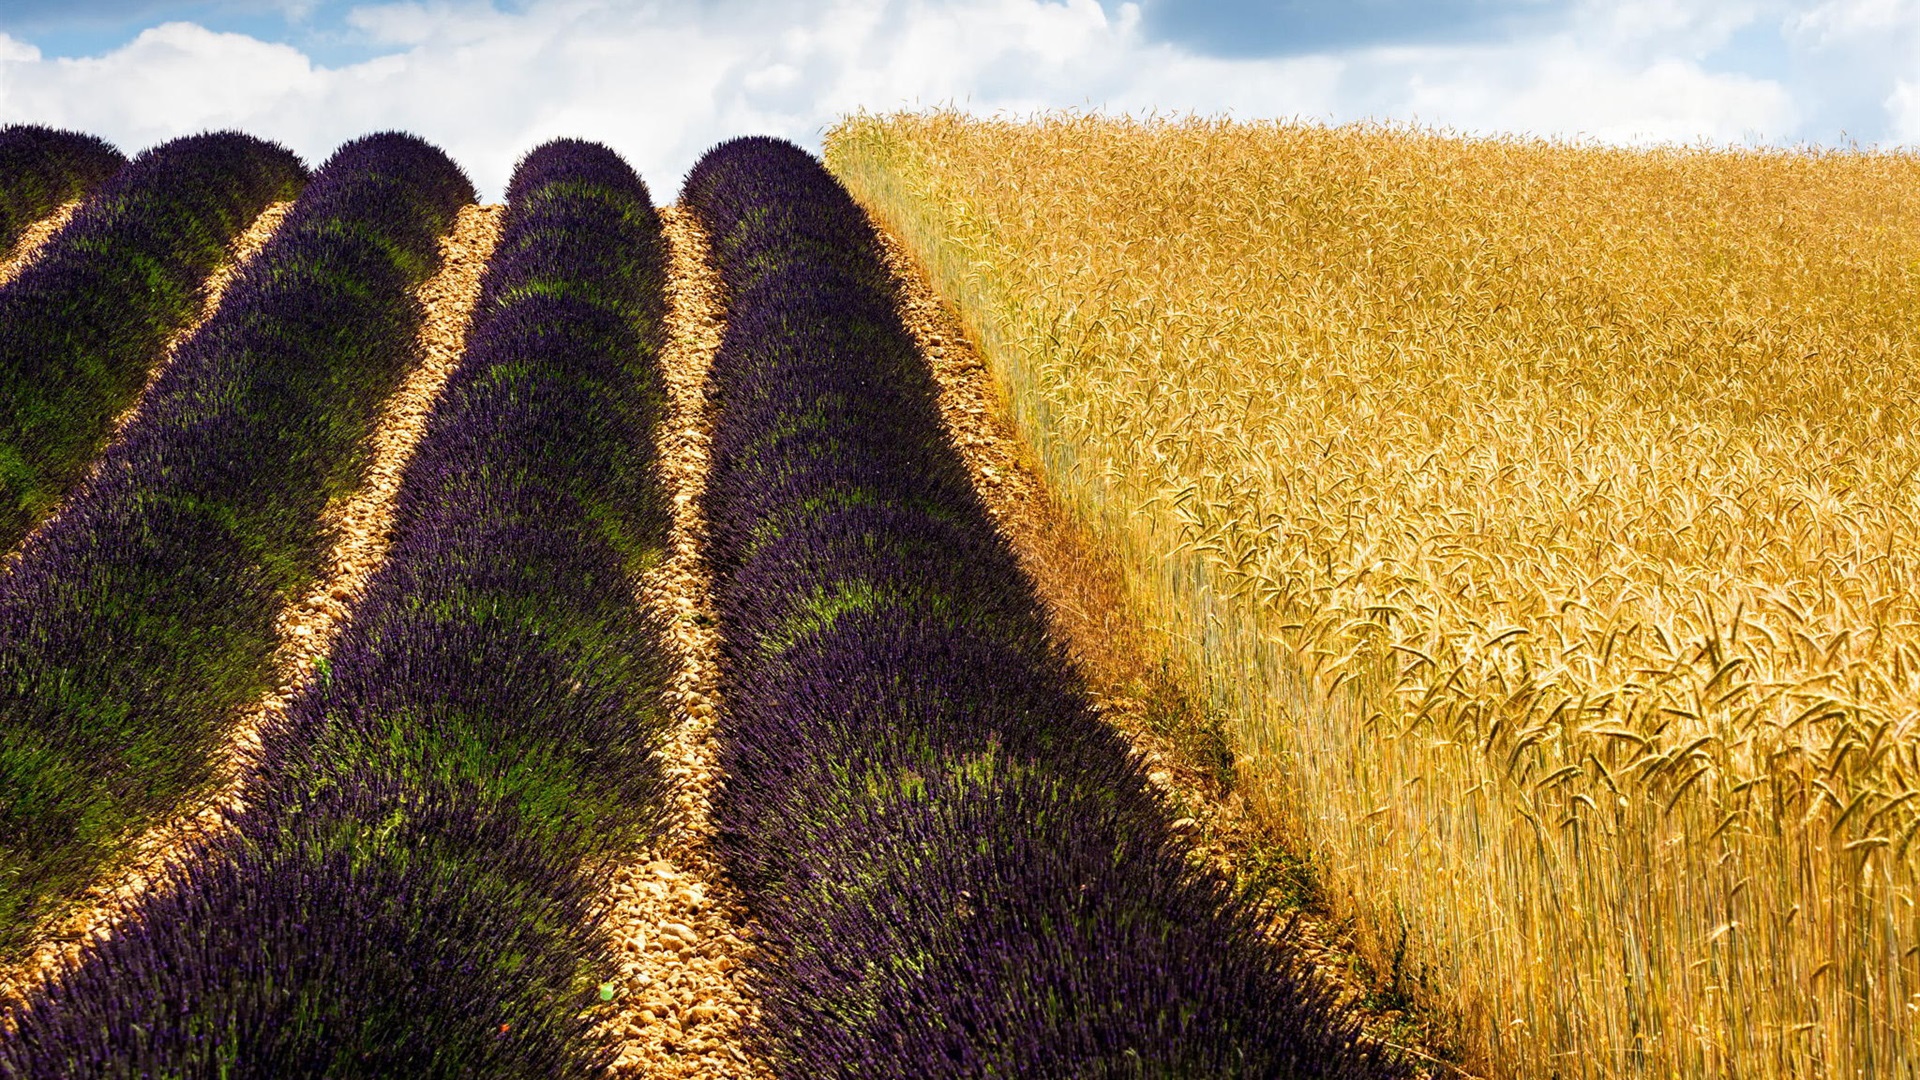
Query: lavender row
411	891
83	325
138	622
958	868
42	167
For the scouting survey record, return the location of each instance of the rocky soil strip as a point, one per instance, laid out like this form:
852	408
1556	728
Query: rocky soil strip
360	526
34	238
243	248
1085	598
676	922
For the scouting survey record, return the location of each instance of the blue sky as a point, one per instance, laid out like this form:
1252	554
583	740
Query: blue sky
1282	27
97	27
1227	27
662	80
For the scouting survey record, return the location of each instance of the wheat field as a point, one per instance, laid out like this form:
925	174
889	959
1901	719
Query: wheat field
1543	516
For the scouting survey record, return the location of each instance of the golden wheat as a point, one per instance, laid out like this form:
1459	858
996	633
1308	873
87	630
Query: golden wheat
1546	515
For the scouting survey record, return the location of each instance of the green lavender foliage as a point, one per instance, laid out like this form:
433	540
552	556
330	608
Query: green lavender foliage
139	621
41	168
84	324
413	887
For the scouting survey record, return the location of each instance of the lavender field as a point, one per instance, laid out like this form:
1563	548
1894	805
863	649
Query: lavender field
559	639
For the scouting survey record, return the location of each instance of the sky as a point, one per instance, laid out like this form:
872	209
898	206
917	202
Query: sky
662	81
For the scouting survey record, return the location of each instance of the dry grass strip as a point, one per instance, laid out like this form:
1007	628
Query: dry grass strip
1084	592
33	238
675	921
361	527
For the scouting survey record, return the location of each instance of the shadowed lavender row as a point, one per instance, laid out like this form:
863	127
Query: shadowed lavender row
959	870
82	326
411	890
138	623
42	167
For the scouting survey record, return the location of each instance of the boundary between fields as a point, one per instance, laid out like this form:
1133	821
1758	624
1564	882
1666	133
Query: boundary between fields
1084	595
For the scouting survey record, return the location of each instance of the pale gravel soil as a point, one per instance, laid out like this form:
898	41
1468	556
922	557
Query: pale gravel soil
33	238
241	251
360	526
676	924
1083	592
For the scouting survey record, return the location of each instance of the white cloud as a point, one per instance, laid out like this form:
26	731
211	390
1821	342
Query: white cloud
1872	49
1562	89
1903	107
172	78
12	51
1672	27
1839	22
661	81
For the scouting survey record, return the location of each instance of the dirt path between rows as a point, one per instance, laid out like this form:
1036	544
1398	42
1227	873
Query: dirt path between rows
33	238
361	527
678	927
1085	595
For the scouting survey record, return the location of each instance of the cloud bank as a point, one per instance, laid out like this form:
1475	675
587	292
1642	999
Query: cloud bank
661	82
